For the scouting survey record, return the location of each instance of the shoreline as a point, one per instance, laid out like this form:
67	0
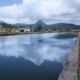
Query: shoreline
71	67
9	34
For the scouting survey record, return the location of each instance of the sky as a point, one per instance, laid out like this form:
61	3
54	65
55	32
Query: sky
49	11
9	2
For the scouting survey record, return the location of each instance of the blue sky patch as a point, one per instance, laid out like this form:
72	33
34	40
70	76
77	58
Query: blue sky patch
9	2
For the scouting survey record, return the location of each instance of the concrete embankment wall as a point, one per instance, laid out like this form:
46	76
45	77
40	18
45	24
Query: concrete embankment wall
71	67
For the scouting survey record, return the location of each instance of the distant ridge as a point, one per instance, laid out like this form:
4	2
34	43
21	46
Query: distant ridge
62	24
40	22
1	22
20	24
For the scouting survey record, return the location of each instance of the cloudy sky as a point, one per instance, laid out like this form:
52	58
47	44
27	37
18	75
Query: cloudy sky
49	11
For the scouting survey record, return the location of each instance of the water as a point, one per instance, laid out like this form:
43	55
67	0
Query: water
33	56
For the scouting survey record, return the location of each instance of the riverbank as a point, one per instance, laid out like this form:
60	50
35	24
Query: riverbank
71	69
9	34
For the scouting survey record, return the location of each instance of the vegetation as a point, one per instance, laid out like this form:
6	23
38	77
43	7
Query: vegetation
64	26
8	27
38	28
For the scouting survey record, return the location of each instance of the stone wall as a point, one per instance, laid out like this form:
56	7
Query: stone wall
71	67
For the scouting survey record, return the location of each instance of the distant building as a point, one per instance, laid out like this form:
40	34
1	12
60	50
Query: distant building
75	30
3	30
32	29
49	30
0	26
21	29
24	29
15	30
27	30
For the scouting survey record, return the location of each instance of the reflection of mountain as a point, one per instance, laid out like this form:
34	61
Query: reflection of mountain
23	46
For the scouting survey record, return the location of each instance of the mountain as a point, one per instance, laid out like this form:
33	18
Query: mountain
64	26
39	22
53	26
20	24
1	22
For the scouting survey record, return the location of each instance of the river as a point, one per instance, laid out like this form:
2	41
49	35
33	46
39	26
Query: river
33	56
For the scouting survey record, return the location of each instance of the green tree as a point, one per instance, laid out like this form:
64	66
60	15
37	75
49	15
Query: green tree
7	26
38	28
30	27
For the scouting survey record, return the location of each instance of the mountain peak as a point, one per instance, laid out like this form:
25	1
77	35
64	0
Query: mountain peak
40	22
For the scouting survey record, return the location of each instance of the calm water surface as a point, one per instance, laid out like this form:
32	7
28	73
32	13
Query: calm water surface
33	56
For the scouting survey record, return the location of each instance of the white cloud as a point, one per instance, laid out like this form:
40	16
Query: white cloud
29	11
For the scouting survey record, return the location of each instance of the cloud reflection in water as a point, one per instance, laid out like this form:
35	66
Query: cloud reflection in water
28	47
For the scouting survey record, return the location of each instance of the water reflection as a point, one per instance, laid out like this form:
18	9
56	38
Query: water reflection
30	48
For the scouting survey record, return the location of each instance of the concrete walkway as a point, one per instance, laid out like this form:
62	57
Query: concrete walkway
71	69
